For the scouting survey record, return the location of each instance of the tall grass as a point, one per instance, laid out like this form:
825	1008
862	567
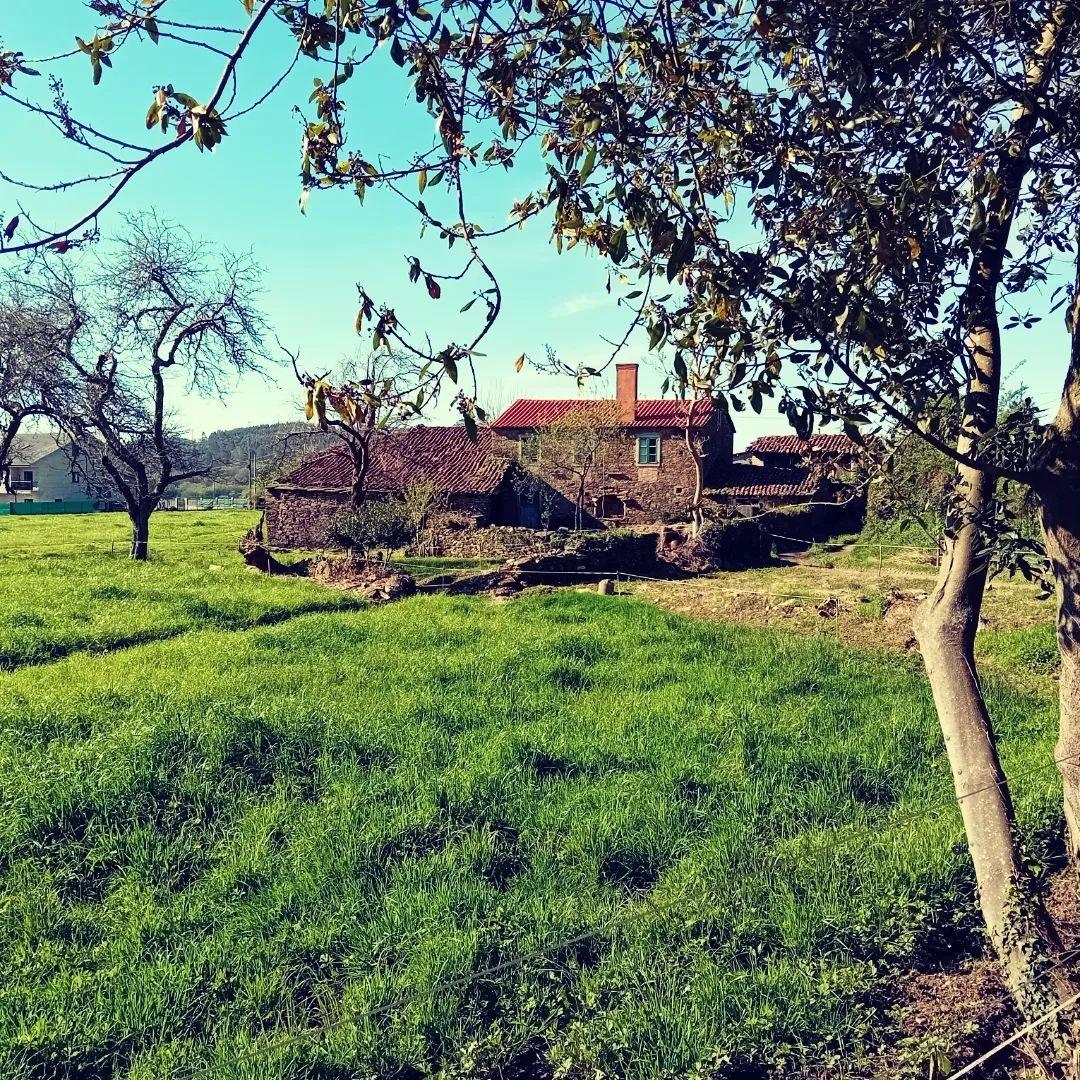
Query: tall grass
244	849
69	586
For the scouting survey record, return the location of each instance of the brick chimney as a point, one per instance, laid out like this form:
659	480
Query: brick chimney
626	392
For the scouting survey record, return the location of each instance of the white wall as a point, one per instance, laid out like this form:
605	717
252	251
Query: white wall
52	481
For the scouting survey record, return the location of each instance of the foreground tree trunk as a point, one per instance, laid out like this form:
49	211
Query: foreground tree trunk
140	533
945	626
1061	531
1059	495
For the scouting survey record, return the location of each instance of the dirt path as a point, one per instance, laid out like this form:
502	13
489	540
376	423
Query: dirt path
860	606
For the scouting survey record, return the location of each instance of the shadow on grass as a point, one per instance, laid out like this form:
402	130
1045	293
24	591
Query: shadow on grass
202	614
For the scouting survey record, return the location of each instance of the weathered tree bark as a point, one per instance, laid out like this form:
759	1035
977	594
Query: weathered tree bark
140	532
1061	531
945	625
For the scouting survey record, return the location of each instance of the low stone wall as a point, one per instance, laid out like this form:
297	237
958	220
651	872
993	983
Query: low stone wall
302	520
499	542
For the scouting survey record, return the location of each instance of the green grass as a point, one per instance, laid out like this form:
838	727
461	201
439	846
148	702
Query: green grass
357	843
67	590
874	606
1033	650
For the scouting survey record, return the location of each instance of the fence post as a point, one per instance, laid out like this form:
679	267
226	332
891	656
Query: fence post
879	557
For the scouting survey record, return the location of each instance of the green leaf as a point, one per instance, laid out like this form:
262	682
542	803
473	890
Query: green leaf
589	164
617	246
151	27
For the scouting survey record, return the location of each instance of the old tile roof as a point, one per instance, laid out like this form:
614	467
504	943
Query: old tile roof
528	413
762	480
445	456
792	444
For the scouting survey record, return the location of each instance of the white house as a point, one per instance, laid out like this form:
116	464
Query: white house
40	471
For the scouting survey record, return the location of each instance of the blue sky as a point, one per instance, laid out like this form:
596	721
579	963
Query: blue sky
245	196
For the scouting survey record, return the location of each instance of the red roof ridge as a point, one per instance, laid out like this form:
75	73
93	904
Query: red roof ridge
530	413
795	444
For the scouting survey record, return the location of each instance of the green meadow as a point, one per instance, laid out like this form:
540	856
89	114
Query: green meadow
251	829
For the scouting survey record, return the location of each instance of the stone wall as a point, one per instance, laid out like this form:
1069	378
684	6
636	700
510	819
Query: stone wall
298	518
302	519
621	492
498	542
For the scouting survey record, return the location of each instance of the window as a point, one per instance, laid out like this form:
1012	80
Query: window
679	489
648	450
610	506
22	479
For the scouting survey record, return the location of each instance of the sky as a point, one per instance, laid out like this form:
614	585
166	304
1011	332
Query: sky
244	196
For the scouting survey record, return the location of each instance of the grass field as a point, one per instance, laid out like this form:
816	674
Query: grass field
69	586
451	834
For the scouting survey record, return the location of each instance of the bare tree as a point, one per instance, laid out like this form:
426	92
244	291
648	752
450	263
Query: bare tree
33	382
376	393
154	315
572	450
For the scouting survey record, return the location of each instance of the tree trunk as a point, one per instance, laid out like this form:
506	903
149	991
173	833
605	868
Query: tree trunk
946	623
697	456
140	533
945	626
1061	531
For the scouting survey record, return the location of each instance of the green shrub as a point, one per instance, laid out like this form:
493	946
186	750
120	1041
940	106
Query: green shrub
734	544
377	523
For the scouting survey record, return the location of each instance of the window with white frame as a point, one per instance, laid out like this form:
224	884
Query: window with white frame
648	450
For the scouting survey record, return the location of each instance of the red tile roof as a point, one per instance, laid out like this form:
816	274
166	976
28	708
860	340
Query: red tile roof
754	480
442	455
529	413
792	444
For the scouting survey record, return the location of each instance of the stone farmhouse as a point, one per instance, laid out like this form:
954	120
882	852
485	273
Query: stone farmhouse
641	472
473	479
644	470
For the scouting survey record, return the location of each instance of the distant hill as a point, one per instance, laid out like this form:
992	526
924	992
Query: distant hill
276	447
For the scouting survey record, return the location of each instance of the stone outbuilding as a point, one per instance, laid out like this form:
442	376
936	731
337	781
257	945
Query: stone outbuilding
472	481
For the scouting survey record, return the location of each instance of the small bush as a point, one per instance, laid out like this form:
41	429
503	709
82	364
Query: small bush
377	523
730	544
